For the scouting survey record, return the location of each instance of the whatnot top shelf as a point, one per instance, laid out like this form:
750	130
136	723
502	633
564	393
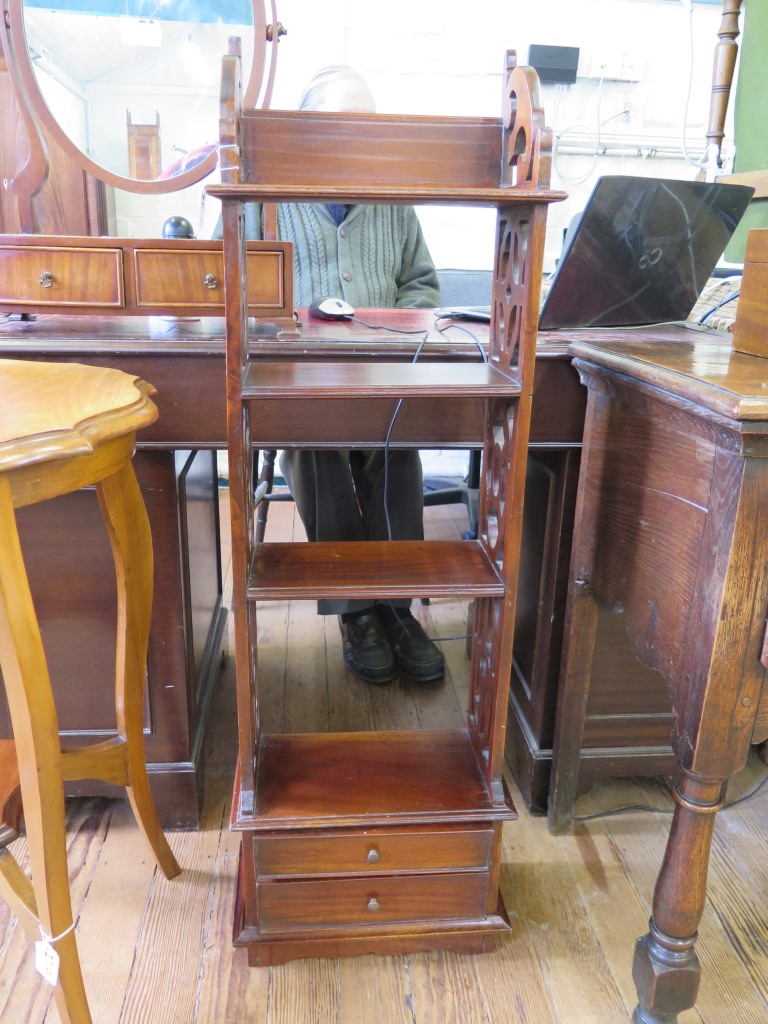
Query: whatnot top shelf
357	569
317	780
266	192
379	379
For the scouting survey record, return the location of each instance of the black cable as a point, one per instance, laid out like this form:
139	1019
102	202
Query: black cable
723	302
747	796
459	327
392	330
623	810
669	810
417	353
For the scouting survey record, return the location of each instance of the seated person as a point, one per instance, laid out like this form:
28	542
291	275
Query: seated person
371	256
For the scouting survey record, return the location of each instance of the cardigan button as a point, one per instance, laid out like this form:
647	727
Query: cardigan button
347	276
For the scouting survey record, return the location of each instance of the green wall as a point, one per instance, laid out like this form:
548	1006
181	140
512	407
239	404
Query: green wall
751	116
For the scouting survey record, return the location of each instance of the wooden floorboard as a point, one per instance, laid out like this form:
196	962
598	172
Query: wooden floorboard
160	952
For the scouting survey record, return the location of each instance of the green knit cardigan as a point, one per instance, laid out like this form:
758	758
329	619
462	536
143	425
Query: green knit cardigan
376	258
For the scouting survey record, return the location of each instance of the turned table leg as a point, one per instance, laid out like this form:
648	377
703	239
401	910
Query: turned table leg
666	969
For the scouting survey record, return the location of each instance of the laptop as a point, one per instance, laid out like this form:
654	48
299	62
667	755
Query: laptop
641	253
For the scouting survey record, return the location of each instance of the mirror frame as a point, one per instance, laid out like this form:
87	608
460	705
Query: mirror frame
14	43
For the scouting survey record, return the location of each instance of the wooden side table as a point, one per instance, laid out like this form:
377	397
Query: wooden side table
670	533
63	428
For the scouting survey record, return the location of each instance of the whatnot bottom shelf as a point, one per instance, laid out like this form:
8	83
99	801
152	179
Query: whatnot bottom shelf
313	780
382	842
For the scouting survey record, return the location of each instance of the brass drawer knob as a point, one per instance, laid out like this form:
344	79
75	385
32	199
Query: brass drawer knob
373	905
373	856
46	279
210	281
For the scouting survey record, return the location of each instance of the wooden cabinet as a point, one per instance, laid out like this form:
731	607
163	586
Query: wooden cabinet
72	579
669	534
47	274
628	718
381	841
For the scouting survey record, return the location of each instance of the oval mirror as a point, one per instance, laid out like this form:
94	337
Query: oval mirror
130	88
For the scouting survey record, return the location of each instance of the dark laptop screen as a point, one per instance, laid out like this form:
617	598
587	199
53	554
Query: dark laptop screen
642	251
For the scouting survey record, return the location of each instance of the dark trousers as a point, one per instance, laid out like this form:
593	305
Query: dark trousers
340	496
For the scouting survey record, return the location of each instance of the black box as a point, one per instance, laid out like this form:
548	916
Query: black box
554	63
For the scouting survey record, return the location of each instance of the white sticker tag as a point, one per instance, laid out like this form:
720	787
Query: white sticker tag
47	961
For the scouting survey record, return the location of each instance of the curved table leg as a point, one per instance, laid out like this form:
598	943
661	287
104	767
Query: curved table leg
127	524
36	732
666	969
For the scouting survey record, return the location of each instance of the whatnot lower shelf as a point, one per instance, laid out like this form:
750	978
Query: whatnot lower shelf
388	569
379	379
321	780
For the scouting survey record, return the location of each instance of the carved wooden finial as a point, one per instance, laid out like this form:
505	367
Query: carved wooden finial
230	108
527	143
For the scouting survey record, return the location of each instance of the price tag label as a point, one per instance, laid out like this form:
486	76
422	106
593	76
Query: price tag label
47	961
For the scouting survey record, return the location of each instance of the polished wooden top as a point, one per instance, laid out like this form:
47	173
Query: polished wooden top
698	367
361	379
54	410
381	332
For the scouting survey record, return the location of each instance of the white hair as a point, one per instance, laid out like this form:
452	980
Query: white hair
338	88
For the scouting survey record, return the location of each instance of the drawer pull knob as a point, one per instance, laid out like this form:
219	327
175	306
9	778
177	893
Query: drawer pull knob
210	281
46	279
373	856
373	905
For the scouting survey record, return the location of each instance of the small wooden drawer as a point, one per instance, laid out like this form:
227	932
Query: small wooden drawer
374	851
195	277
38	275
288	906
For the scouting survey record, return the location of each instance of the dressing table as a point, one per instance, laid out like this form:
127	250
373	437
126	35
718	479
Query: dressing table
59	198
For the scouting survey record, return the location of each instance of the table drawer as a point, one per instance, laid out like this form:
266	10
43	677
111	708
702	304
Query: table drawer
177	278
375	851
38	275
287	906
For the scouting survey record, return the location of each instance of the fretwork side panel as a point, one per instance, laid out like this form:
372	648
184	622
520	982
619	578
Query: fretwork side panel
517	279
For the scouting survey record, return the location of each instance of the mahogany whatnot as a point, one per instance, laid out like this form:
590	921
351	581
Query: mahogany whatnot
290	788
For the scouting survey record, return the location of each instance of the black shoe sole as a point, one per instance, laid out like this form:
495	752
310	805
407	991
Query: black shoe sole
430	677
375	679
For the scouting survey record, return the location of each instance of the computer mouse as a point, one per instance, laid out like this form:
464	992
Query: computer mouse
330	308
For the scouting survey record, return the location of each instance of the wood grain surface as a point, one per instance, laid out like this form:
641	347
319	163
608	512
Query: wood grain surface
156	954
